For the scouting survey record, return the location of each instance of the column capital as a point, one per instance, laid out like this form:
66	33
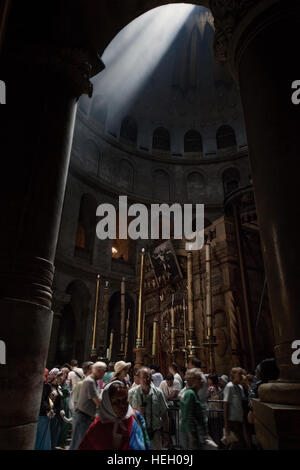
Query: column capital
71	68
231	18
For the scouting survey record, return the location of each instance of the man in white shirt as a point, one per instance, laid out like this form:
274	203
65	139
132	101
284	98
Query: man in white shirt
75	375
169	390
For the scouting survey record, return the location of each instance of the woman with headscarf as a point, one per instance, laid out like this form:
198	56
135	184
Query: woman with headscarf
43	435
118	426
65	425
56	397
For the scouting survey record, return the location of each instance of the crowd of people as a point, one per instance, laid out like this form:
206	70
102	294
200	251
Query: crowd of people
101	406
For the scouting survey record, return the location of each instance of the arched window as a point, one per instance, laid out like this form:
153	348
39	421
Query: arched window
225	138
161	185
231	180
195	187
129	130
161	140
85	235
193	142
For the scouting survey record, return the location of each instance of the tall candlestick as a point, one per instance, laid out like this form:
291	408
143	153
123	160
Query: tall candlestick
184	322
172	326
140	305
127	335
103	323
208	288
122	314
96	314
154	338
111	344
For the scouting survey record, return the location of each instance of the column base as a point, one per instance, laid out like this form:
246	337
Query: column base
287	393
26	332
139	357
277	426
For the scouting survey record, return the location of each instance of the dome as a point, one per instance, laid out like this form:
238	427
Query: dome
163	91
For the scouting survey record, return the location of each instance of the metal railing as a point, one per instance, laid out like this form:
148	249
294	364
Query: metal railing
215	414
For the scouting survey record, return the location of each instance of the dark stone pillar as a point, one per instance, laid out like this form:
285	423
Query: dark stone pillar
46	69
257	38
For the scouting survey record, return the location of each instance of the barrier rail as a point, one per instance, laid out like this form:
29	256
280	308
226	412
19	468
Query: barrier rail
215	423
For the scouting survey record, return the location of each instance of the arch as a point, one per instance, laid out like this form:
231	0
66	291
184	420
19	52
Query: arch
129	130
193	142
161	140
231	180
195	187
71	339
85	236
161	185
226	137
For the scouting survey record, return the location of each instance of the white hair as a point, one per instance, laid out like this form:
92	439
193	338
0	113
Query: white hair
99	365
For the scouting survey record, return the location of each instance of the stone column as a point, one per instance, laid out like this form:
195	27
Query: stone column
45	71
255	37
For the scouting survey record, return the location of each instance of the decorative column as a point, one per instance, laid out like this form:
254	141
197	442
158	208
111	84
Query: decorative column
245	283
250	35
210	342
234	330
46	67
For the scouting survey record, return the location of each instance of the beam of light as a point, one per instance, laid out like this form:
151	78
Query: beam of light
136	51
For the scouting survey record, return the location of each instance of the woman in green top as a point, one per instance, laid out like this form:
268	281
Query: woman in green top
193	413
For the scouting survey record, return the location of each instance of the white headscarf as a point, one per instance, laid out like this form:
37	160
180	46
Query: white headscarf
106	412
107	415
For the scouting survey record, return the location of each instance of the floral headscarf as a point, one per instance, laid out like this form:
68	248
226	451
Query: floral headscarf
53	374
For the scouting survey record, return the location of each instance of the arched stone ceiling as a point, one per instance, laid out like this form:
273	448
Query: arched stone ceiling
104	20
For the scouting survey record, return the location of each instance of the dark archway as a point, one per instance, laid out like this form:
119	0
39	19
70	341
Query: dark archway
66	336
85	236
